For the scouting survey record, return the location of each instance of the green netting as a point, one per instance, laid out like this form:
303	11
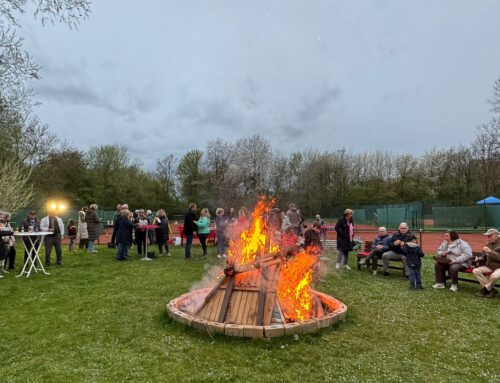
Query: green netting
467	216
105	215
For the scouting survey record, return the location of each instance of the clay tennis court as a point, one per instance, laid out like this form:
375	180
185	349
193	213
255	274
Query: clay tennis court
430	240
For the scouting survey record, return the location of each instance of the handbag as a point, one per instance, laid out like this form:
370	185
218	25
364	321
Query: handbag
441	259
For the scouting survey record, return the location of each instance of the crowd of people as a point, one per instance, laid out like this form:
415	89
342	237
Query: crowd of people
453	256
142	227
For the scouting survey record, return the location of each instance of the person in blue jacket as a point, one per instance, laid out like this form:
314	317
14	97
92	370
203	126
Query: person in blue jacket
379	246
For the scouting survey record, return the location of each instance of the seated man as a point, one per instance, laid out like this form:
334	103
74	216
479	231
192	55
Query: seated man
379	246
491	254
396	244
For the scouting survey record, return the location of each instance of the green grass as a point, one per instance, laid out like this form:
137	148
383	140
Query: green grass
97	320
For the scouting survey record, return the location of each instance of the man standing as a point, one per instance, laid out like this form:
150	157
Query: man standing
115	226
189	228
379	246
54	225
491	253
396	244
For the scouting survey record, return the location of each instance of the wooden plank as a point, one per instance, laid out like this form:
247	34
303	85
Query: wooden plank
243	309
217	299
234	306
225	302
252	311
271	294
262	296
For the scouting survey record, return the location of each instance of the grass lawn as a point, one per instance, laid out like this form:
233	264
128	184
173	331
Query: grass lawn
98	320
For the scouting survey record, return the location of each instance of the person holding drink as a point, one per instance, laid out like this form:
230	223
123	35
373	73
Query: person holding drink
453	255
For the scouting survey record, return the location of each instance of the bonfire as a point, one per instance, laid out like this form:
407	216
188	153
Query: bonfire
262	292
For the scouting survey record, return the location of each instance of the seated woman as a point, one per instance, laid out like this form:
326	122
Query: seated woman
453	255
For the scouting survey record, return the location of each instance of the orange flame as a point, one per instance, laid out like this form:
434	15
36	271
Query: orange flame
293	286
296	273
252	241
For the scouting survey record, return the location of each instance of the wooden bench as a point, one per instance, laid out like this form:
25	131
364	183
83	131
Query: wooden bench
469	272
367	248
329	244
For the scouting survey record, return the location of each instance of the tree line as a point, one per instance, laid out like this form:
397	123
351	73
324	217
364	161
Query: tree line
35	165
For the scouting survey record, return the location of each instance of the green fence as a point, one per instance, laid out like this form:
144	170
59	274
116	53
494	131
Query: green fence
389	215
467	216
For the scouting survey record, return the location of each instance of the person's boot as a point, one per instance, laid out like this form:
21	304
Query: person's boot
491	293
482	292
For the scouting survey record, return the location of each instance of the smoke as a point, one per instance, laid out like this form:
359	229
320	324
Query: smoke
199	290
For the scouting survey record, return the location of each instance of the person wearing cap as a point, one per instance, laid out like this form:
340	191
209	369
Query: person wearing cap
491	256
345	238
54	225
30	224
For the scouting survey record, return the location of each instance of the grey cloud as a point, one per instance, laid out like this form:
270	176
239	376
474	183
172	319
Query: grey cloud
314	108
78	95
208	112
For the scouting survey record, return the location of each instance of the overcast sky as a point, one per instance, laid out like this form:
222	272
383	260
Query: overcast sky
165	77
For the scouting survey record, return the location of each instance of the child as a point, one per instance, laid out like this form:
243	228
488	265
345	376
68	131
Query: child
413	253
72	230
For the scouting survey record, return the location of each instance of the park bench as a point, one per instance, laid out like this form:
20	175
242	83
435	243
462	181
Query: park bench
329	244
468	272
366	250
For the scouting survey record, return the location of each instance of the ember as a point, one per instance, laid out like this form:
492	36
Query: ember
262	291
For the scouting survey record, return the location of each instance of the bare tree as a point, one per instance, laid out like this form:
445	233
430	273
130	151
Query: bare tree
16	190
166	169
495	100
253	158
486	150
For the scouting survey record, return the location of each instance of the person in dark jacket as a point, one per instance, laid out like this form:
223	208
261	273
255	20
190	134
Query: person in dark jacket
396	245
189	228
116	215
413	254
345	238
30	224
92	220
124	234
312	236
379	246
162	232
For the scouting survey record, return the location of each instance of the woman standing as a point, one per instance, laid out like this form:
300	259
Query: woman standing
92	220
82	232
345	237
162	232
203	229
453	255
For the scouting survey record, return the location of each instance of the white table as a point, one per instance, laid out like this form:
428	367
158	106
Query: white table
33	257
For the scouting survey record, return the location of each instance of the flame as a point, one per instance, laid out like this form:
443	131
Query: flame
296	273
293	285
251	241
